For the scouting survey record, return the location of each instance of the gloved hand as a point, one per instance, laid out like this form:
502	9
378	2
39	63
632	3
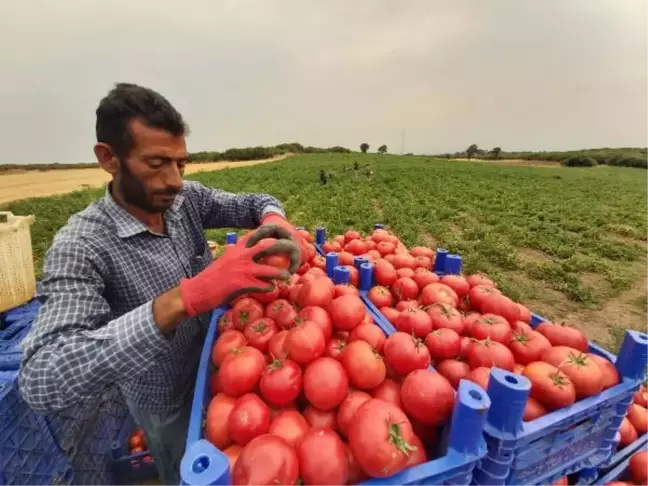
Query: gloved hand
276	219
237	272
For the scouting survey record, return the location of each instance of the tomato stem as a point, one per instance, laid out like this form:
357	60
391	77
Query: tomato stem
397	440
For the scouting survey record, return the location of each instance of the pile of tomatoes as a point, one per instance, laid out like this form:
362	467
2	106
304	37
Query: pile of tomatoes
638	469
306	387
464	325
137	445
635	423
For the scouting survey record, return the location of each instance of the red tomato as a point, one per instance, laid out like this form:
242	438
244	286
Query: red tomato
418	455
374	255
354	275
246	310
414	321
502	306
345	258
331	247
422	251
364	366
318	262
628	433
350	236
465	342
384	273
490	353
356	247
405	272
380	437
273	309
344	289
348	408
550	386
356	474
525	313
464	305
218	414
423	262
640	397
305	342
347	312
266	460
480	294
480	279
318	316
224	345
528	346
404	305
639	467
281	382
608	370
469	320
259	333
278	260
533	410
480	376
318	418
389	391
137	450
317	292
214	384
340	239
563	335
427	397
579	368
390	314
438	292
322	458
522	327
457	283
443	343
286	316
494	327
424	277
276	345
325	383
241	371
406	353
404	260
453	370
444	316
638	417
405	289
233	452
370	333
249	418
335	347
561	482
225	323
290	425
385	248
266	297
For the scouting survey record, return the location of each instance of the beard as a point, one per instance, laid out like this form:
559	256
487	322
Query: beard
135	193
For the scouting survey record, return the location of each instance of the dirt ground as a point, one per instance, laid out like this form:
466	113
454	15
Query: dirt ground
30	183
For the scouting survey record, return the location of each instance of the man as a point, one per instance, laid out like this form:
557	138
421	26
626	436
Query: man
129	281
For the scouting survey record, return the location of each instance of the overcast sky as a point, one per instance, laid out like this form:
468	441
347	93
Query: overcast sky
550	74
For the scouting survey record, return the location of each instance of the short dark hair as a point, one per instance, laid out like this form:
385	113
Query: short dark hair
127	102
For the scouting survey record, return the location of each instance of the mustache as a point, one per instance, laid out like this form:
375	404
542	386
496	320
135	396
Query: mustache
167	192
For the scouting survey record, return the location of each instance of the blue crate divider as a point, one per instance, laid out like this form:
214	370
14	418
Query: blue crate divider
205	464
130	468
28	310
618	469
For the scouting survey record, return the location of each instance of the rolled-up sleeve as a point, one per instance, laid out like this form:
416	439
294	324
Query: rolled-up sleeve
74	349
222	209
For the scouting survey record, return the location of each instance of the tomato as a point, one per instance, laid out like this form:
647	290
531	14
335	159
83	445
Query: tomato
325	383
454	370
628	433
579	368
405	272
406	353
444	316
225	323
480	376
273	309
418	455
525	313
364	366
259	333
480	279
249	418
317	292
347	312
305	342
318	316
344	289
278	260
457	283
384	273
427	397
443	343
469	320
422	251
350	236
356	247
370	333
224	345
380	438
385	248
266	460
318	418
233	452
465	342
214	384
303	269
638	417
281	382
136	441
404	305
322	458
389	391
640	397
639	467
423	277
550	386
266	297
331	247
276	345
335	347
522	327
414	321
137	450
405	288
502	306
438	292
356	474
354	275
246	310
528	346
404	260
494	327
533	410
241	371
390	314
490	354
563	481
563	335
480	294
348	408
290	425
345	258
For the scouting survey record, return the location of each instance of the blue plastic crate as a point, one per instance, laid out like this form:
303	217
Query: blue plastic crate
618	469
205	464
131	468
28	310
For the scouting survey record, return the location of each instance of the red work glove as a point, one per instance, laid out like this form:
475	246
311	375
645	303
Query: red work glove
237	272
276	219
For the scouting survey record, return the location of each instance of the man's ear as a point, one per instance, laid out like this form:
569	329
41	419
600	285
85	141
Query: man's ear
106	158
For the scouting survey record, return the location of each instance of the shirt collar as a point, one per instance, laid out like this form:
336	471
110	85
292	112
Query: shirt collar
127	224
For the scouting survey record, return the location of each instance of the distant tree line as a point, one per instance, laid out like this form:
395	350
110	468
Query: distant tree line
625	157
257	153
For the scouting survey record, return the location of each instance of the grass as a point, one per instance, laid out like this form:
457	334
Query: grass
543	233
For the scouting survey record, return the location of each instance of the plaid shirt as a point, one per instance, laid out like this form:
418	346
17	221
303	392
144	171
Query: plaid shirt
96	328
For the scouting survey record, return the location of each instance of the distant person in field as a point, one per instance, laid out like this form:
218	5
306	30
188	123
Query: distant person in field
129	281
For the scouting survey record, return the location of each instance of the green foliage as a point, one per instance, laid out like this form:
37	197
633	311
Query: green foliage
496	152
364	147
382	149
579	161
472	151
258	153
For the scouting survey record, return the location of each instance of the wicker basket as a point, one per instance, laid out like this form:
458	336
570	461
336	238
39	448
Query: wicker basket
17	278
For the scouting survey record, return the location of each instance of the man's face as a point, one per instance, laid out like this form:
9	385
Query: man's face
150	176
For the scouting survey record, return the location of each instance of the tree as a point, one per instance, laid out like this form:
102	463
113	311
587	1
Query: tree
471	151
364	147
382	149
496	152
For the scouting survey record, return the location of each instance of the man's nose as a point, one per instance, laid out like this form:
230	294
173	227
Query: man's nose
174	176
